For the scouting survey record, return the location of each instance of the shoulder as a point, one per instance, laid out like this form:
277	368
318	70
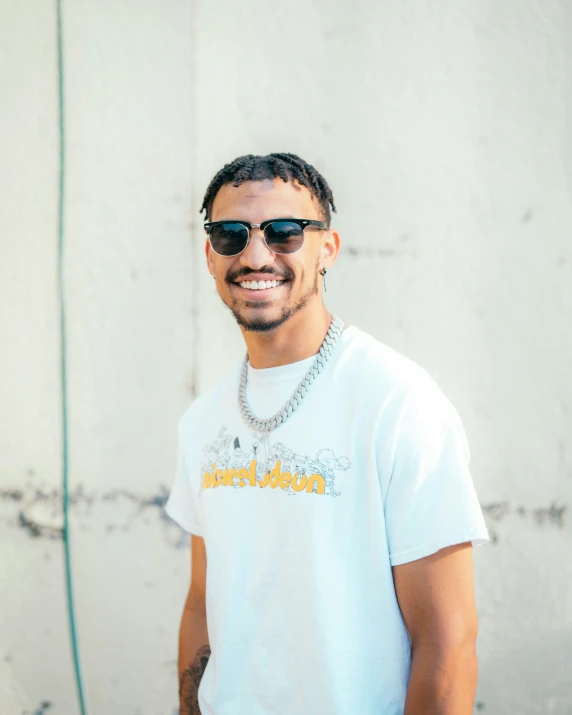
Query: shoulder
381	365
406	396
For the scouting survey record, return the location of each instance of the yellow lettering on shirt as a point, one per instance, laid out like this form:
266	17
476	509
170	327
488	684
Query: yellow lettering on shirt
320	482
275	475
227	477
264	481
298	484
253	473
242	475
285	478
275	478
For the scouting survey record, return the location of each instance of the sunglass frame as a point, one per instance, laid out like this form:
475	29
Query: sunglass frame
302	223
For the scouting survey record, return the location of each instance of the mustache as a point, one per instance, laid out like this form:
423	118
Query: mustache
286	275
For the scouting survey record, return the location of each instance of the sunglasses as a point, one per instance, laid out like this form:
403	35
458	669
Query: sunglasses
281	235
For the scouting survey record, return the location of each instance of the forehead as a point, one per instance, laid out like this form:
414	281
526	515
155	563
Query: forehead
256	201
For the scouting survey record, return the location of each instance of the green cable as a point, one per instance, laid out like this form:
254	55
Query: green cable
65	492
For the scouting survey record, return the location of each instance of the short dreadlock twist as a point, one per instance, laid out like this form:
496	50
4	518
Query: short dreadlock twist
287	167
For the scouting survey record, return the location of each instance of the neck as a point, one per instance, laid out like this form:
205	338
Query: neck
298	338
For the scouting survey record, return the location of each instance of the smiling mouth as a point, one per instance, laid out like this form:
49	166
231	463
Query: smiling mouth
259	285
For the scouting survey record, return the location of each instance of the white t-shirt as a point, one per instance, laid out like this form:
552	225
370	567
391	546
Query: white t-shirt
302	526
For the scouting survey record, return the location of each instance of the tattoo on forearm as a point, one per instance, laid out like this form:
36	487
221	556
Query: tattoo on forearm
190	681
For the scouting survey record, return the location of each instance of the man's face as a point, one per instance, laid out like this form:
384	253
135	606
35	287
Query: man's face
299	287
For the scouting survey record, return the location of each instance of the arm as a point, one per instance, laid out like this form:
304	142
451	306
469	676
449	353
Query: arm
194	649
436	597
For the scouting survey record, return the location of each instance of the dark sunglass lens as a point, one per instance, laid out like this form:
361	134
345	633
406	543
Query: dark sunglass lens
228	239
284	236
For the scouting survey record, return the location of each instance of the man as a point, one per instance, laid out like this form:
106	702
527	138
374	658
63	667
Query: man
325	485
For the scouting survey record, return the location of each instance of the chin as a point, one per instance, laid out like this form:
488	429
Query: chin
259	317
260	323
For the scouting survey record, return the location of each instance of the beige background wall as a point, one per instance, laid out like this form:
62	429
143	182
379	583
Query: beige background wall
445	131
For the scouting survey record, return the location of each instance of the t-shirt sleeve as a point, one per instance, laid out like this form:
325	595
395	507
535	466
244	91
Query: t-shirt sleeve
431	500
182	504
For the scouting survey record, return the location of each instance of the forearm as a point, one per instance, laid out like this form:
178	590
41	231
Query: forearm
442	681
194	653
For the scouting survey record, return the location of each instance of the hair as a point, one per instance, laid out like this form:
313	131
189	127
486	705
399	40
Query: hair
287	167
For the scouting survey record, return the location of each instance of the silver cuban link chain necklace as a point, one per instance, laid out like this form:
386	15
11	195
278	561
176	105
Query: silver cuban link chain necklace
259	425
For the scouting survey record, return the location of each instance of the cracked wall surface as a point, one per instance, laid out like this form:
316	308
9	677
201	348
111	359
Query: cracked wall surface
445	131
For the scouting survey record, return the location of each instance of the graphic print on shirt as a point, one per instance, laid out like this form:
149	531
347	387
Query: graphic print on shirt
226	463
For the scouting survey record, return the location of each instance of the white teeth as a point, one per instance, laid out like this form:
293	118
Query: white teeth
259	285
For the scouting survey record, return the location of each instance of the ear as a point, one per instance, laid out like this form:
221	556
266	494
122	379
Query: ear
330	248
210	257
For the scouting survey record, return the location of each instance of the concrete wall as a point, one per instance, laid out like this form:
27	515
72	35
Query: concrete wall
445	130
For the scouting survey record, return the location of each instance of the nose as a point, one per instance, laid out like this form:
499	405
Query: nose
256	254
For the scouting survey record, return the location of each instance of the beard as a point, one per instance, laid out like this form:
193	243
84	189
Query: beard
263	325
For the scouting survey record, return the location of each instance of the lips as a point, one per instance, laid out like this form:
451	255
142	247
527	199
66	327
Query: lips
260	285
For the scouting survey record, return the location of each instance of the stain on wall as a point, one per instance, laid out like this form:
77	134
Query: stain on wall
38	511
552	515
